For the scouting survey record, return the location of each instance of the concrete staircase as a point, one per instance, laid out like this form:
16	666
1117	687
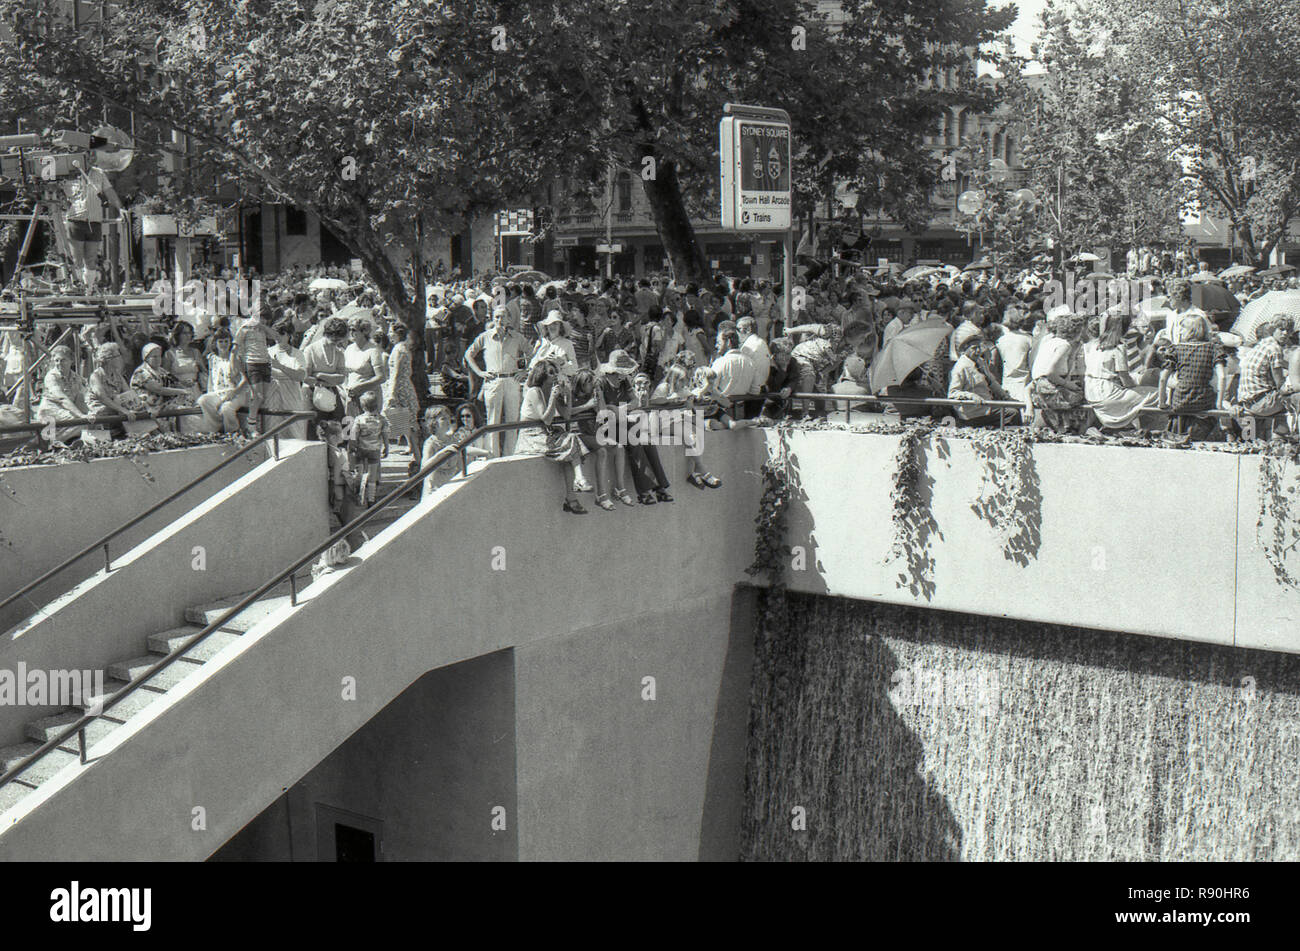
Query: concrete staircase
393	472
118	675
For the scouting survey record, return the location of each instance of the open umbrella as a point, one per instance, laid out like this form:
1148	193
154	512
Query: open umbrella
978	266
531	277
1265	308
1237	270
1277	271
327	284
1086	257
1098	276
1216	300
1200	277
912	347
920	273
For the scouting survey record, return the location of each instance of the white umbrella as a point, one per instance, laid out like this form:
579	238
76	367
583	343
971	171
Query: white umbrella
921	272
1086	258
327	284
1200	277
1237	270
1265	308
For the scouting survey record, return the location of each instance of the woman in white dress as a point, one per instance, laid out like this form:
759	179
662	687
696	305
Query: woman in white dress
367	366
286	394
1116	400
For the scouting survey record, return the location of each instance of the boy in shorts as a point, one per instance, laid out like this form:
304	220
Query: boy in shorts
370	442
253	344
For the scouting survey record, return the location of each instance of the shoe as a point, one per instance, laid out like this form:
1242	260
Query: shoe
713	482
604	502
583	486
645	498
695	480
575	507
662	495
623	497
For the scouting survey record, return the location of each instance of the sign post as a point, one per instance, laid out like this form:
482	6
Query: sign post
756	154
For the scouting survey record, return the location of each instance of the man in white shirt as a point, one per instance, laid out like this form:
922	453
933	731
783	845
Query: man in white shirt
502	352
754	347
734	368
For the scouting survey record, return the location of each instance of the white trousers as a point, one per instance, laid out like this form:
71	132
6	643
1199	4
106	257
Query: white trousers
501	399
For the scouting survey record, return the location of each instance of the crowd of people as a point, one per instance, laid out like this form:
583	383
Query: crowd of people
565	354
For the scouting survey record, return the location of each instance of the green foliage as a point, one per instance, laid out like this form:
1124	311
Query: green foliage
135	448
1222	80
1009	499
1277	491
1094	153
914	523
771	551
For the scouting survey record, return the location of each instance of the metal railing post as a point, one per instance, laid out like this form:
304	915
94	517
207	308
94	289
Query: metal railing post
81	744
293	591
108	562
276	444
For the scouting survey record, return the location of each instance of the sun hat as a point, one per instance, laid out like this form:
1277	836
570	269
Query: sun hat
619	362
551	318
148	349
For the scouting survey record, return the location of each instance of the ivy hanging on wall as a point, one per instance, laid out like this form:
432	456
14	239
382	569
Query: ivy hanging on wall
134	449
914	523
1009	499
771	551
1276	493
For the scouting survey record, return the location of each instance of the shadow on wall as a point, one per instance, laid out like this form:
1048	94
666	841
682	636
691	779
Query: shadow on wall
834	772
1016	741
801	534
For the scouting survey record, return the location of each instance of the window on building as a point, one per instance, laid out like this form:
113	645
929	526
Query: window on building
624	192
295	221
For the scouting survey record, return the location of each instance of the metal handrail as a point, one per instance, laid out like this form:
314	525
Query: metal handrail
273	433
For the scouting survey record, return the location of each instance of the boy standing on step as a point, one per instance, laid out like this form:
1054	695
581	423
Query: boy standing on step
370	440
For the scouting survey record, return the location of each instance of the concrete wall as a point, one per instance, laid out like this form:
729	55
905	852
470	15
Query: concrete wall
109	617
608	773
50	512
429	769
429	591
1144	541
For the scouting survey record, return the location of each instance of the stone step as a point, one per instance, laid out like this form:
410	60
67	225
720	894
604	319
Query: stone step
255	613
43	768
161	682
129	707
167	641
47	728
13	793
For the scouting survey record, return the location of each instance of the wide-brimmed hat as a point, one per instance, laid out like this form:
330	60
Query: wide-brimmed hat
551	318
618	362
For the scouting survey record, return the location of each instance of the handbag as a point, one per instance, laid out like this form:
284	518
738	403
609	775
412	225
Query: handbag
324	399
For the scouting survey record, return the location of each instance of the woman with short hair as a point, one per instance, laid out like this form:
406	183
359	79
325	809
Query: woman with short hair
400	404
1057	397
156	386
366	366
107	392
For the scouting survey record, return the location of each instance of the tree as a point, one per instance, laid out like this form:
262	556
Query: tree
1223	78
1100	164
374	116
644	84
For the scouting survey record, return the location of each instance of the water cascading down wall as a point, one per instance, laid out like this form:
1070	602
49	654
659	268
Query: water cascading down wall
894	731
906	734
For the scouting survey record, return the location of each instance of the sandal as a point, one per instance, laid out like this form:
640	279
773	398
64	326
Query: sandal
575	507
604	502
711	481
579	486
645	498
623	497
662	495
